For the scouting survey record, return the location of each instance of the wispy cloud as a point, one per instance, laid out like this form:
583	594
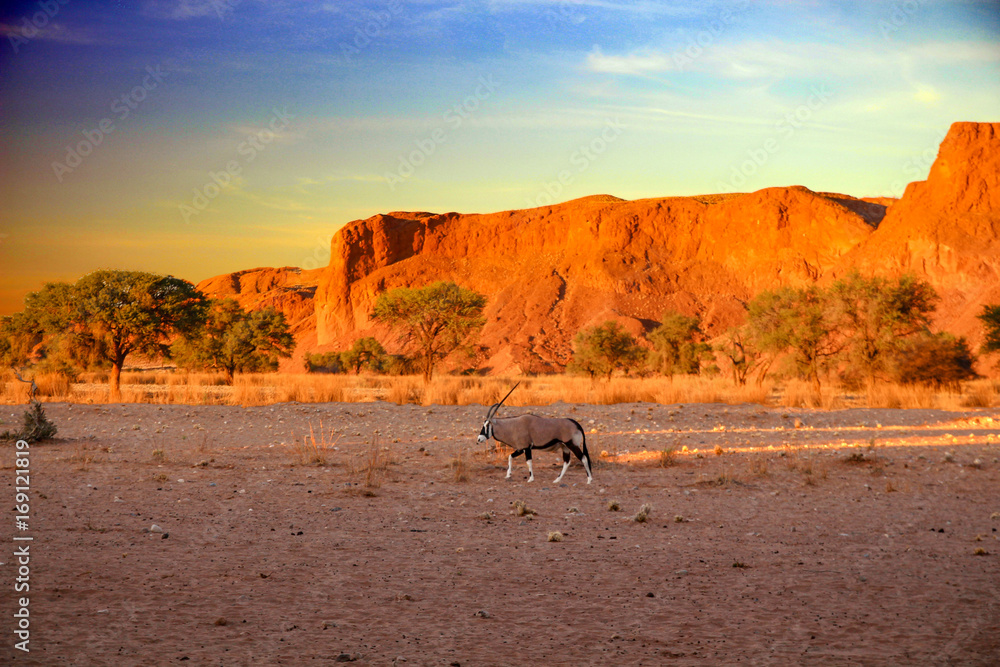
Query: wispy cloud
53	32
779	59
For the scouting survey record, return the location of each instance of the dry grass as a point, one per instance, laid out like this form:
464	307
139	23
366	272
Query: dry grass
372	468
313	451
179	387
642	516
667	458
521	509
459	468
758	466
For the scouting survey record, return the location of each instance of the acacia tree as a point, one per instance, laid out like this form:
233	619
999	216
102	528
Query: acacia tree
108	315
796	321
743	354
939	360
235	341
675	349
435	320
876	315
365	353
990	317
602	349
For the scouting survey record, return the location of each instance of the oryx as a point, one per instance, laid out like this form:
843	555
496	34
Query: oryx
529	432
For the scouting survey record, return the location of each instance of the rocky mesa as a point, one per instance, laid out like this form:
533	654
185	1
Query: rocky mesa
550	271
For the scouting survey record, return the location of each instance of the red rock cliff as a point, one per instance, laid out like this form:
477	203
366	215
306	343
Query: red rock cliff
550	271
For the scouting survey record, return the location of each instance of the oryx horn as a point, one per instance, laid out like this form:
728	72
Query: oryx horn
496	406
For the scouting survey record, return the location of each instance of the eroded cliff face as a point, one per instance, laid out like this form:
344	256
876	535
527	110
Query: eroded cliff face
947	229
550	271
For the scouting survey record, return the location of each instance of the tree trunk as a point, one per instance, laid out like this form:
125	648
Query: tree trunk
115	381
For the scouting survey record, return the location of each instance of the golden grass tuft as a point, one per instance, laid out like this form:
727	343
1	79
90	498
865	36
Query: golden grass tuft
521	509
667	458
313	451
642	516
459	468
614	506
555	536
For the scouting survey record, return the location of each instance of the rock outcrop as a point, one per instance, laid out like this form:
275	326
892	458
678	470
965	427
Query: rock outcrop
947	229
550	271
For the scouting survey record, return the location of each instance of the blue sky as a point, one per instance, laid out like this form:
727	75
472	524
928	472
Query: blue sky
227	134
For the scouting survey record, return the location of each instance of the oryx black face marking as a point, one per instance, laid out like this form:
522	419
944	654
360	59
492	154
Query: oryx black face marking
528	432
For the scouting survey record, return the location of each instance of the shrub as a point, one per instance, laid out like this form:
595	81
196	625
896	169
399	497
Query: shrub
937	360
36	426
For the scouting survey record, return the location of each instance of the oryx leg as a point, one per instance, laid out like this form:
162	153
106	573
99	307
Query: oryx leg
580	455
527	456
510	461
566	460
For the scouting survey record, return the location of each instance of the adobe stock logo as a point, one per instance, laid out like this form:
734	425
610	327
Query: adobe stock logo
122	106
30	27
247	150
427	146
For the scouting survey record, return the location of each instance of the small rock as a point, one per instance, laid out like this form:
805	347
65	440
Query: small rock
482	613
155	529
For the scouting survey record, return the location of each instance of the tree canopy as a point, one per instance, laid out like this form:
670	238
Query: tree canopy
235	341
605	348
876	314
434	320
106	316
990	317
795	321
675	350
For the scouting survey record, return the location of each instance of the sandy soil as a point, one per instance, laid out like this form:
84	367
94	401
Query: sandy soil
814	538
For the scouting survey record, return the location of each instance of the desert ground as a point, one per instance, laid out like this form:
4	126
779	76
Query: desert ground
380	534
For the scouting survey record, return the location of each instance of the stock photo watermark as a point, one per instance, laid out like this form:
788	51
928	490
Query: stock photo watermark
320	255
916	168
22	550
122	106
222	7
784	129
426	146
704	39
31	26
581	159
365	35
898	17
247	151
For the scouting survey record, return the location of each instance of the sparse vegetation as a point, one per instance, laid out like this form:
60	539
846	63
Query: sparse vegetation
667	457
642	516
36	426
601	350
459	468
521	509
435	320
233	340
313	450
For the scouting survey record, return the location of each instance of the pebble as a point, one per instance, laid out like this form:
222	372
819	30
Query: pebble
155	529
